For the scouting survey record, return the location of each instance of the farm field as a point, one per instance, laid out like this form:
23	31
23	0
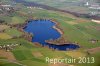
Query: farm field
78	30
4	36
13	32
2	27
65	5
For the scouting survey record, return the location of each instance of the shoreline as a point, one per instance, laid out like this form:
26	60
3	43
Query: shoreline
29	36
54	27
20	27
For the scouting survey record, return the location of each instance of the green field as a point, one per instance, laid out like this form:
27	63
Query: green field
64	4
13	32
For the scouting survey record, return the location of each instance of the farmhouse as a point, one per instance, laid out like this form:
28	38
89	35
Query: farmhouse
93	41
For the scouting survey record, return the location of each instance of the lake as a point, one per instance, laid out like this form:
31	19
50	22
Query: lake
43	30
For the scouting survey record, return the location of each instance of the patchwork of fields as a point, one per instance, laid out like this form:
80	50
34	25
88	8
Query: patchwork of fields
76	30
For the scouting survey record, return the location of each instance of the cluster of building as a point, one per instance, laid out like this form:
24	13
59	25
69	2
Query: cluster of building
93	6
6	8
8	47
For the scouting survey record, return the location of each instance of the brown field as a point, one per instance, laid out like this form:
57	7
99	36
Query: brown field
93	27
72	23
94	50
37	54
5	36
75	54
77	21
7	55
3	27
80	20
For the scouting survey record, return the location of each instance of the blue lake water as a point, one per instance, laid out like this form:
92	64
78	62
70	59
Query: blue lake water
43	30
